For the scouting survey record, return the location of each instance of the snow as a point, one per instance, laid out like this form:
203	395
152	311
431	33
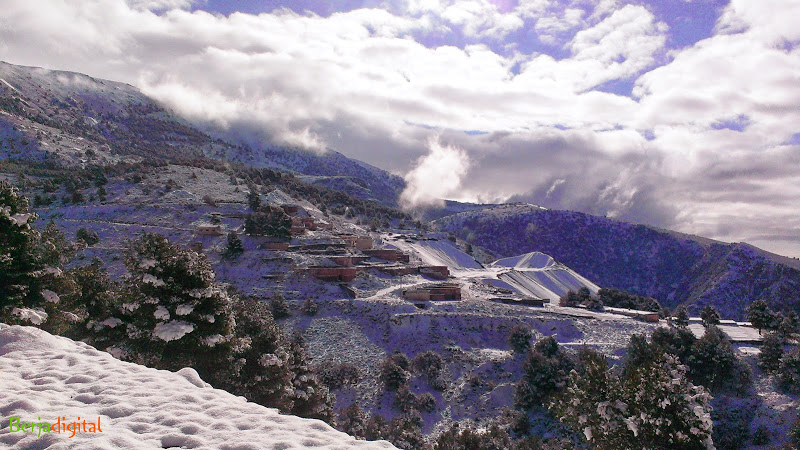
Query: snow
50	296
147	278
34	316
161	313
533	260
184	309
9	85
46	376
173	330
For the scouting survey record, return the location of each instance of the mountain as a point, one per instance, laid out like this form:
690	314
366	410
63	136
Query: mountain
672	267
79	119
134	406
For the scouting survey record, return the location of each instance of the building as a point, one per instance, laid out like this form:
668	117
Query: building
434	292
207	229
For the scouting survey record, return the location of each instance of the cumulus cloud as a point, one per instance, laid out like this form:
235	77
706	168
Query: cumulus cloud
703	144
436	175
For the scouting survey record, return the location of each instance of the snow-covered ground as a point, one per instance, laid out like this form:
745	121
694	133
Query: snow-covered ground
46	377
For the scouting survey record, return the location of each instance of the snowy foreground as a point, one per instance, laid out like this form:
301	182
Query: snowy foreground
44	377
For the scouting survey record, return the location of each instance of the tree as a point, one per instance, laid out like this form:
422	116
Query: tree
310	307
176	314
520	338
31	281
269	222
652	406
760	315
710	316
394	371
681	317
788	326
789	371
234	247
544	373
280	309
771	353
253	198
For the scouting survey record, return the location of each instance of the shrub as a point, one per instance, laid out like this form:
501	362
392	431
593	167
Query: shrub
429	364
334	375
353	420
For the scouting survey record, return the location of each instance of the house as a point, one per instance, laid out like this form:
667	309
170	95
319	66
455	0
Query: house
207	229
434	292
438	272
196	247
388	254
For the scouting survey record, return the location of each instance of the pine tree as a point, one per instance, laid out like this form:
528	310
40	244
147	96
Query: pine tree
177	315
253	198
760	315
681	317
652	406
31	280
710	316
234	247
771	353
520	339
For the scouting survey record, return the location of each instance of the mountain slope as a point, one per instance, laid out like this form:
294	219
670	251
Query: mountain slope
46	377
46	113
671	267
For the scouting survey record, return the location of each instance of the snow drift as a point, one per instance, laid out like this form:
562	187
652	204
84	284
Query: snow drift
45	377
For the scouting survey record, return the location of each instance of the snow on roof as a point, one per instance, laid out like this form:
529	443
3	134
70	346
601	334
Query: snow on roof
46	377
439	253
532	260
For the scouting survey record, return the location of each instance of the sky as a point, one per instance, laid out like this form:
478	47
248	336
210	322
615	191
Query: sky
681	114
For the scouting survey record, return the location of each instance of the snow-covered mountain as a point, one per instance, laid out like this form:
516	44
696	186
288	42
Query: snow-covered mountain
80	119
48	377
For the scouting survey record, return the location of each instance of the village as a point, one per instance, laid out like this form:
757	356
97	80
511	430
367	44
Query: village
426	268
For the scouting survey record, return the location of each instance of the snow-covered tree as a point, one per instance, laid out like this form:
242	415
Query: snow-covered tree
174	310
31	279
652	406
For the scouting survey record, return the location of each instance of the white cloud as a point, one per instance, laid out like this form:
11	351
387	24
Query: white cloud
437	175
360	83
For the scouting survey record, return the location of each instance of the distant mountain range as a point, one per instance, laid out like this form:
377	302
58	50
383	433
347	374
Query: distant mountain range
44	112
672	267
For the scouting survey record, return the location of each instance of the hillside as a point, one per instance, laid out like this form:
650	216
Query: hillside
46	377
83	120
672	267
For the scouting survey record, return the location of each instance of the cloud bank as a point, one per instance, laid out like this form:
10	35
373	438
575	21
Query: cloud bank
606	107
